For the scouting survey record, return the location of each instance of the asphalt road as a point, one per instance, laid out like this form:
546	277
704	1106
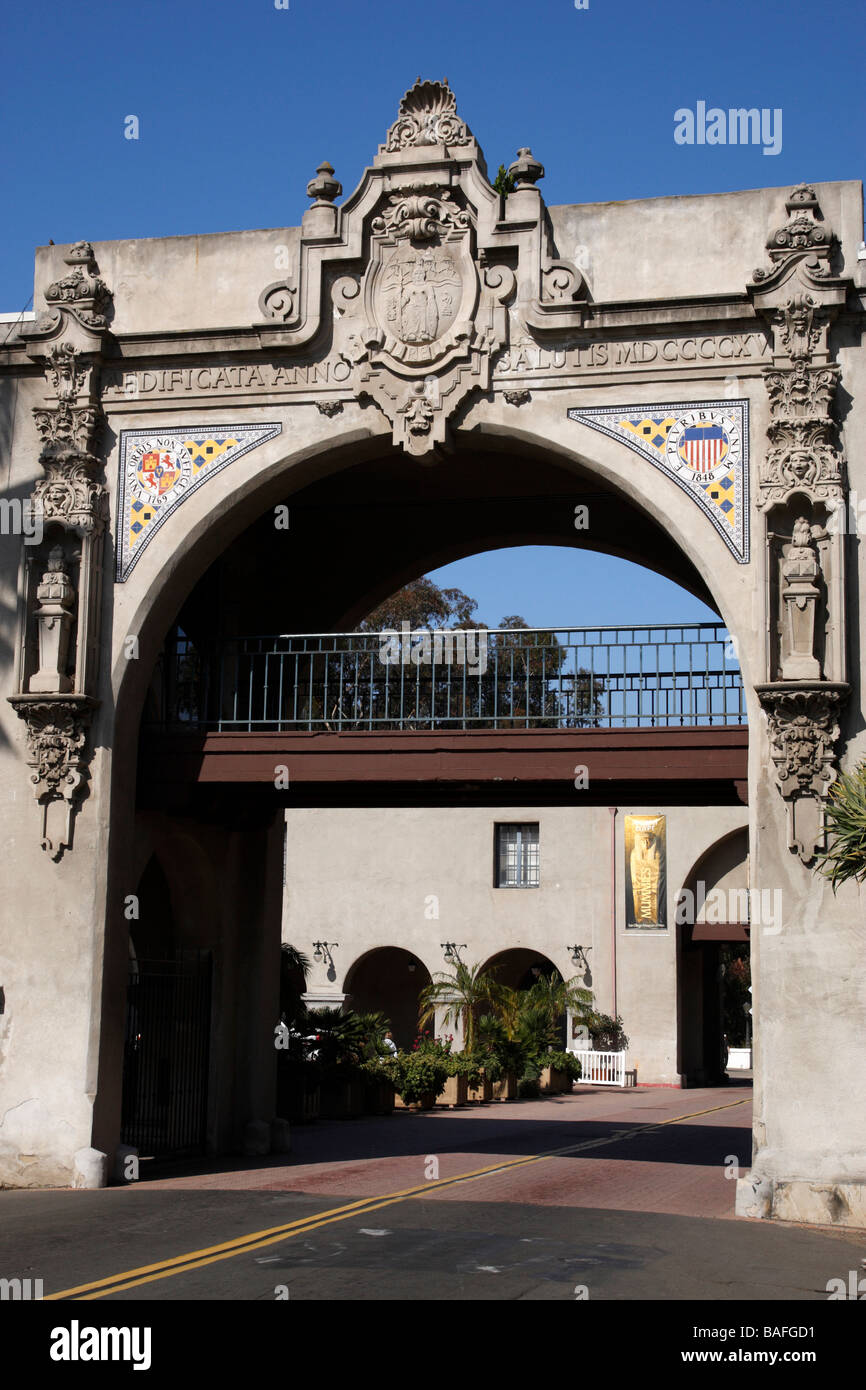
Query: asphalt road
596	1196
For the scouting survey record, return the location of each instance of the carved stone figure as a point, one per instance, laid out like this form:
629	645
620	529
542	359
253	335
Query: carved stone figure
56	595
418	414
800	594
70	494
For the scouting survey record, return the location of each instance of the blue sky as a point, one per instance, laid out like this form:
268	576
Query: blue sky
557	586
238	101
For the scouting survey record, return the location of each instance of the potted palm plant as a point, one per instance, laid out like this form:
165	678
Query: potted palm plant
505	1058
845	823
461	995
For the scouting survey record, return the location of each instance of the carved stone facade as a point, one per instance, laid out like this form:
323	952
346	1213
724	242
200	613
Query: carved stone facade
801	480
446	257
799	296
72	504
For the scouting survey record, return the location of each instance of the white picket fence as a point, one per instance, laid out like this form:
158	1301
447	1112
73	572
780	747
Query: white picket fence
601	1068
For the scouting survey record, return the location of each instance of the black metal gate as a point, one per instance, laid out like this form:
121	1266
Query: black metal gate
166	1051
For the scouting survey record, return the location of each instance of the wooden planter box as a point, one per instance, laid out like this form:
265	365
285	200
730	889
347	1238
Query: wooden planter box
311	1104
506	1089
342	1100
483	1092
297	1101
379	1098
454	1092
427	1101
554	1082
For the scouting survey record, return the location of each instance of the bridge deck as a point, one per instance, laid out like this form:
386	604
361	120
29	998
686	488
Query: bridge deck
672	754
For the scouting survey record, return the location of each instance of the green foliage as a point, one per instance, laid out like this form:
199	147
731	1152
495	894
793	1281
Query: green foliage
372	1028
845	819
535	1032
378	1069
504	182
468	1064
528	1088
462	994
555	996
500	1053
736	999
438	1049
415	1074
564	1061
607	1033
294	968
422	604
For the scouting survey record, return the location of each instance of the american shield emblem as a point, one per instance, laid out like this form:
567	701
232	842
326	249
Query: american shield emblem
703	445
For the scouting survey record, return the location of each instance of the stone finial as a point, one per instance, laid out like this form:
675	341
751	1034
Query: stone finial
802	197
526	169
427	116
804	236
324	187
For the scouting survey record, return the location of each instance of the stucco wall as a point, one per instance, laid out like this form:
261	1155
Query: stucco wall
371	878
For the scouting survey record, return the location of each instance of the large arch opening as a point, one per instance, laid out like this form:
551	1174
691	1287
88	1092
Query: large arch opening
713	964
361	528
389	979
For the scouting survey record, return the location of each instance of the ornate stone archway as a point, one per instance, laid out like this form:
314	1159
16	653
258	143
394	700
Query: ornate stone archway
427	309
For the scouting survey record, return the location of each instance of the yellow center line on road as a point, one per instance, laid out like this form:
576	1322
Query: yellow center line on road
256	1240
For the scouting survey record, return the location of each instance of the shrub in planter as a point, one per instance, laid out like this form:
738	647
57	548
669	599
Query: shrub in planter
455	1090
298	1095
528	1088
482	1091
342	1092
564	1061
506	1088
467	1065
607	1034
417	1076
378	1088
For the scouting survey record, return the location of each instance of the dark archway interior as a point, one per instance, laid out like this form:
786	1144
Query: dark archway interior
391	980
154	932
520	967
356	536
702	954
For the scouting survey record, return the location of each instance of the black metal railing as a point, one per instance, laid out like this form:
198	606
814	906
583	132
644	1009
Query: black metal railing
603	677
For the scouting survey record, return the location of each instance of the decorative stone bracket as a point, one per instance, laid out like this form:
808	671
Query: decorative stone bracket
57	730
803	728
